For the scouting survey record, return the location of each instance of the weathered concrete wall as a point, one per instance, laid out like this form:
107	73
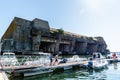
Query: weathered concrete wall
21	35
101	44
36	36
80	47
92	48
64	48
42	26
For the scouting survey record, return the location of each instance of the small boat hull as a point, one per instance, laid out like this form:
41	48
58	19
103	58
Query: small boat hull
97	64
37	72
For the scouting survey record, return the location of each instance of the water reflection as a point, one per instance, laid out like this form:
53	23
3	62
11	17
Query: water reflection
92	75
115	65
73	74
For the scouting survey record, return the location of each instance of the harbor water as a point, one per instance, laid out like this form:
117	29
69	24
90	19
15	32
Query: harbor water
112	72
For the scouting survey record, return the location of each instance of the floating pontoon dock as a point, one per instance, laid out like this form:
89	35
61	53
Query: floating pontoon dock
31	68
28	70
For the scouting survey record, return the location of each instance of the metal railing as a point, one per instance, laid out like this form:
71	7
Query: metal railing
25	61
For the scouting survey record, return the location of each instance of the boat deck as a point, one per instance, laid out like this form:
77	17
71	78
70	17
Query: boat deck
3	75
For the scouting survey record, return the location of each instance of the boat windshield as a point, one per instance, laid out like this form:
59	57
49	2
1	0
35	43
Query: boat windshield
8	55
12	55
44	55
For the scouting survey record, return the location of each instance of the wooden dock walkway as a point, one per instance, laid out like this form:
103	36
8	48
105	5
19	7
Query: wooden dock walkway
70	64
7	68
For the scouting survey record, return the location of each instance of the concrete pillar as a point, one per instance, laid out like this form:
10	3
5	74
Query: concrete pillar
0	47
72	44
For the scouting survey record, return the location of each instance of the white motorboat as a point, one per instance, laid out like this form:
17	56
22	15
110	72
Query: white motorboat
75	58
112	56
41	58
98	62
8	58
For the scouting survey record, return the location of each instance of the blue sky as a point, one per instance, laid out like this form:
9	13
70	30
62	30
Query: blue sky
85	17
